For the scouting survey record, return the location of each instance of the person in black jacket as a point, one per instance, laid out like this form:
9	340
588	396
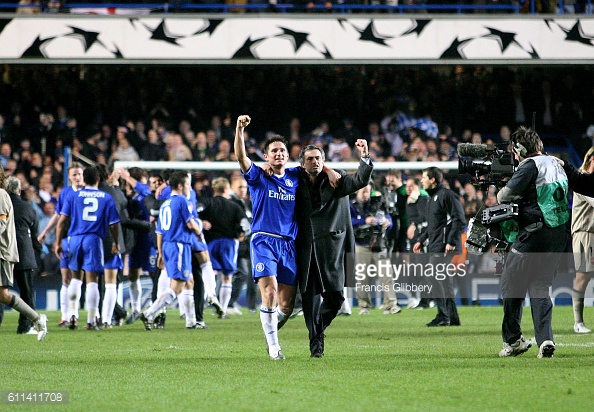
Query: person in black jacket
324	239
443	234
580	182
25	222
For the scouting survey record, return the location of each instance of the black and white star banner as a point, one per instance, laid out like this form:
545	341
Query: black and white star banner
296	39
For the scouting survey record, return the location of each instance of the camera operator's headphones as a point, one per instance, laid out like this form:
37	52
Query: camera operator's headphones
519	148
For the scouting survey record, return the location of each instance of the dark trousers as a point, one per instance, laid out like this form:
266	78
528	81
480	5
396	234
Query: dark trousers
444	293
241	277
529	269
198	289
24	281
319	314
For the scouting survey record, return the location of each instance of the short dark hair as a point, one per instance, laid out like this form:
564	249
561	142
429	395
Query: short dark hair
415	180
434	173
307	149
103	173
527	139
91	176
137	173
396	173
176	179
275	138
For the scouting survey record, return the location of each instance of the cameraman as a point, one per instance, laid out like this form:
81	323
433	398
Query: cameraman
539	186
370	222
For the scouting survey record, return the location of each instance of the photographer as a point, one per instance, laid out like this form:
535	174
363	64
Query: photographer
394	199
371	222
539	186
416	208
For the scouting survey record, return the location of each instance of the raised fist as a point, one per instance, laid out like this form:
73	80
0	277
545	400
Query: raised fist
243	121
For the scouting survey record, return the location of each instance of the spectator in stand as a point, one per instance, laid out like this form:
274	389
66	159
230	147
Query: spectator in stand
476	138
11	167
184	127
90	147
471	201
224	154
212	143
417	151
124	152
294	150
322	133
433	154
5	153
200	147
294	135
335	148
391	134
136	135
375	135
346	155
154	149
349	132
504	134
5	135
176	149
50	263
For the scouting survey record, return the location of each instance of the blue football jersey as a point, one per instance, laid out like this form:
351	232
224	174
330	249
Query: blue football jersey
91	211
273	201
174	215
64	193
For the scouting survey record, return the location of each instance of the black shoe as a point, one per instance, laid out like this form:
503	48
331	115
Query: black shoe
159	322
316	346
438	322
73	323
455	322
147	322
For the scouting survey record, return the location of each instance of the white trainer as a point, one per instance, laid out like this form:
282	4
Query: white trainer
581	328
364	311
41	327
517	348
547	348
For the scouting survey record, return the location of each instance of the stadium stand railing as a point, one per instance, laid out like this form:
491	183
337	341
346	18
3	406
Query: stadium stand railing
182	6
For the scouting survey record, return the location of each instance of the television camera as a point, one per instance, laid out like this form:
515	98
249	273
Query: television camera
375	234
487	164
497	226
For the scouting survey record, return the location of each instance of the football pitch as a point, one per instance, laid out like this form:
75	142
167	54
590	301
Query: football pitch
374	362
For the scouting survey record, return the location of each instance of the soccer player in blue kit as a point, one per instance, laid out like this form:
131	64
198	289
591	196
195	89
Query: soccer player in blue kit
274	230
92	212
75	176
175	233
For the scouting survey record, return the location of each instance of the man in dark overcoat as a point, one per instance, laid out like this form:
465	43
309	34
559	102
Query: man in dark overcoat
325	238
25	222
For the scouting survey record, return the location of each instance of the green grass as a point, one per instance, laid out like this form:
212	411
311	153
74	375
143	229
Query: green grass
372	363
